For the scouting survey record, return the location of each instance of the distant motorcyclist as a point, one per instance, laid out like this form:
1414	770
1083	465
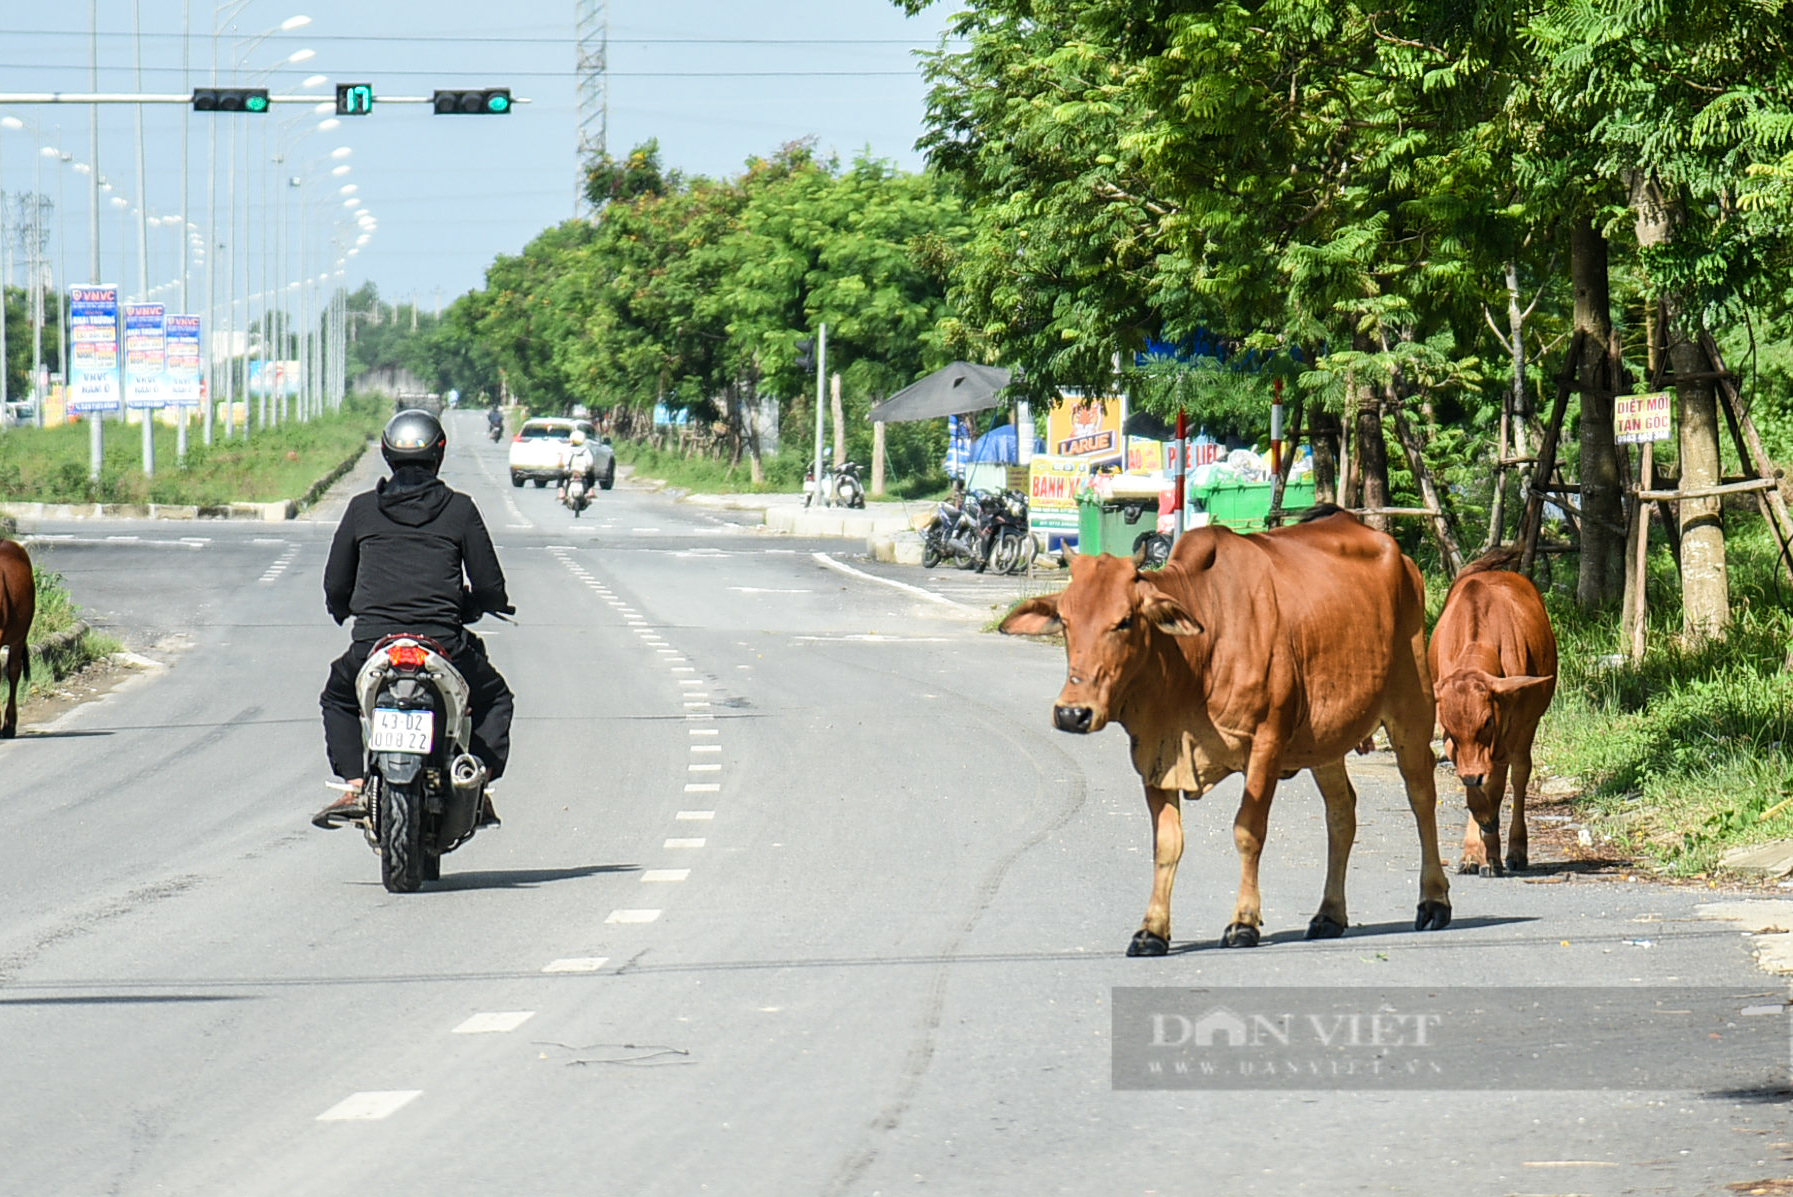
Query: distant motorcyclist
580	464
412	556
495	421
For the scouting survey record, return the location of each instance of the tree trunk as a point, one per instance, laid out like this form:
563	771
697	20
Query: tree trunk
756	468
840	421
1602	577
1705	582
1448	550
1325	439
1372	450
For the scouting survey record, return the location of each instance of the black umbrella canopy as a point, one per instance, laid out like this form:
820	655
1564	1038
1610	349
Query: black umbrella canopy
949	391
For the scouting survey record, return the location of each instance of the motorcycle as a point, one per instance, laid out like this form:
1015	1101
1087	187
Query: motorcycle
954	534
575	494
495	432
840	485
424	786
1002	533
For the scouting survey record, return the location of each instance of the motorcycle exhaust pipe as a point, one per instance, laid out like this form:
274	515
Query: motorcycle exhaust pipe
467	772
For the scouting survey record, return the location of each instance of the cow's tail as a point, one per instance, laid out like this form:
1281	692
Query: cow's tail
1506	557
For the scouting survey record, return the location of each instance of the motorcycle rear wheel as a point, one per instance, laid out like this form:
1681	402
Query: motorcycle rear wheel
401	838
1006	555
930	550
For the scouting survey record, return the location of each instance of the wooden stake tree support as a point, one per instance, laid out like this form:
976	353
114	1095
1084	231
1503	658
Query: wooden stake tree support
1761	477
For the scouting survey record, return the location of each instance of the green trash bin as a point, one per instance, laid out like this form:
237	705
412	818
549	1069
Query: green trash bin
1242	506
1113	526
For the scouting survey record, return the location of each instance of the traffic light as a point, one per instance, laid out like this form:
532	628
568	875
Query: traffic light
485	101
806	355
230	99
354	99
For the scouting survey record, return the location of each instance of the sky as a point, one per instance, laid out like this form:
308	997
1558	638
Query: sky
715	81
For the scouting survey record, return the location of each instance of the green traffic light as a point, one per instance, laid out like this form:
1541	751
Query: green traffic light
498	103
256	103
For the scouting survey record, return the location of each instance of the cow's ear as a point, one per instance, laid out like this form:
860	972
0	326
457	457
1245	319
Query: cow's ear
1530	691
1168	615
1035	617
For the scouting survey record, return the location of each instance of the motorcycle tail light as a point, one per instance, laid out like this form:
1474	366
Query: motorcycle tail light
407	656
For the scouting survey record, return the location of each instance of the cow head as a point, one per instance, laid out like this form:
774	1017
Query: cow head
1107	614
1474	708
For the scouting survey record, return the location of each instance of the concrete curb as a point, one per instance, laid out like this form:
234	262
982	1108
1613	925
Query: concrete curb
273	513
855	525
60	641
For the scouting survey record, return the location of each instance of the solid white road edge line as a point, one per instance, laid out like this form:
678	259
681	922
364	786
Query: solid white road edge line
842	567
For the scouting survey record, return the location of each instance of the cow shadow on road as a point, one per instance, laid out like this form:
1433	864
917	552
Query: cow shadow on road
521	878
1357	931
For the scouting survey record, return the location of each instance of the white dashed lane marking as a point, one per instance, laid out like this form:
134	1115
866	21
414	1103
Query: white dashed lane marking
695	816
664	875
576	964
494	1022
369	1106
704	768
633	916
702	787
279	567
706	748
684	842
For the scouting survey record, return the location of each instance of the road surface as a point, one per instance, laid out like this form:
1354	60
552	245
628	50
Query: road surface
797	893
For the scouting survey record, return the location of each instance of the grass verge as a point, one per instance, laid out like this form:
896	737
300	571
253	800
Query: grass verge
1689	753
715	476
56	653
50	465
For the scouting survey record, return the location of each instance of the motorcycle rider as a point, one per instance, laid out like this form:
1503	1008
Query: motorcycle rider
580	462
495	422
397	565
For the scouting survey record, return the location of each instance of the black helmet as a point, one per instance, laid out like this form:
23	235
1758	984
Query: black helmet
413	438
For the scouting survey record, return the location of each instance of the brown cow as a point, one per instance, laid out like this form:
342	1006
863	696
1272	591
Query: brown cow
18	604
1494	657
1261	654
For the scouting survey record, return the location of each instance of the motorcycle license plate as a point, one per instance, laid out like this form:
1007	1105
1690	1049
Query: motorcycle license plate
402	731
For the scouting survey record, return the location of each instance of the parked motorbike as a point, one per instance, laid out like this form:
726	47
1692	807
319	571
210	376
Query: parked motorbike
954	534
1002	533
841	486
424	785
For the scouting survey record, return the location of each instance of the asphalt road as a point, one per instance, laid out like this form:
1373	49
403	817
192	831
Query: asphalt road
797	893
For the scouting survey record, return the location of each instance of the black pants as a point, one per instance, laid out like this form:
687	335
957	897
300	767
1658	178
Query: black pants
490	699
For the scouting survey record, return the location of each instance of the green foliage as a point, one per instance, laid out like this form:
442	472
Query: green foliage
1682	753
15	309
692	292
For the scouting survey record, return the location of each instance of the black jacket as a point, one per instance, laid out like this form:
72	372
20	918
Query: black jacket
397	561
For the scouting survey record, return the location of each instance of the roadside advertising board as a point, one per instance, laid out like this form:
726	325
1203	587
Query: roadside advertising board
146	355
1088	429
1640	418
184	372
1052	485
93	340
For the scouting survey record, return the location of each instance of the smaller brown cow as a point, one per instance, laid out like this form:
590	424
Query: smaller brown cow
1493	658
18	605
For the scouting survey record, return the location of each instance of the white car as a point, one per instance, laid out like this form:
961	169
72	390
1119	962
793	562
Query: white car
539	452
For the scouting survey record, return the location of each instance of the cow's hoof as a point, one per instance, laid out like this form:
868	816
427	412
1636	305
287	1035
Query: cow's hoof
1491	870
1324	926
7	733
1239	935
1469	867
1145	943
1433	916
1517	862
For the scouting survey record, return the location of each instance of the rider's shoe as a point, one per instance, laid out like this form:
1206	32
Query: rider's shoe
488	814
346	811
